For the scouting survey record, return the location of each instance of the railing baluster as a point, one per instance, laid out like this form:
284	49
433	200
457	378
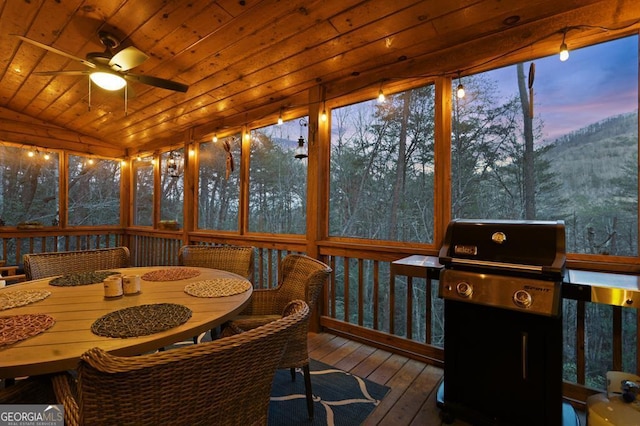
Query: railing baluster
270	268
18	250
346	289
360	292
376	286
409	308
332	287
260	278
580	343
428	311
392	305
637	343
617	338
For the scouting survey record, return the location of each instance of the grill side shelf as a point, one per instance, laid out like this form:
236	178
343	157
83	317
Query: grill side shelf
602	287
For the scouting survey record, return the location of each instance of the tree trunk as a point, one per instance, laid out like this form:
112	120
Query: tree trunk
398	187
528	160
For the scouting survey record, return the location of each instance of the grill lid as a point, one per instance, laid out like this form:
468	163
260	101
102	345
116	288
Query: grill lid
519	246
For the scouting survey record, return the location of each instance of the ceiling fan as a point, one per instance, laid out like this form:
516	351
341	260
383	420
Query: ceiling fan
110	69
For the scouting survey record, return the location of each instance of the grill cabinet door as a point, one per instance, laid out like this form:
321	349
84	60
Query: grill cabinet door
502	366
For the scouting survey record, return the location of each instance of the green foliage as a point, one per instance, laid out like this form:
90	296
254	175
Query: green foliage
597	170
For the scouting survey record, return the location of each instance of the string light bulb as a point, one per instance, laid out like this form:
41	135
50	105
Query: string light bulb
564	50
381	97
46	156
460	89
280	121
323	115
215	138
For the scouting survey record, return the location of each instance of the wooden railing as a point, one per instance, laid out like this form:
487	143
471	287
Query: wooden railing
150	248
361	301
16	242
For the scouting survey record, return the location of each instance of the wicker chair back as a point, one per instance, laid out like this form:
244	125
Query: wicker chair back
236	259
43	265
224	382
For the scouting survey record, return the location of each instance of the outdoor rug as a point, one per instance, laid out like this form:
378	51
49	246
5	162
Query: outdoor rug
340	398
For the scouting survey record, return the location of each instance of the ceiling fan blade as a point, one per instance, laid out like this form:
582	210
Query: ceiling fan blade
127	58
54	50
157	82
62	73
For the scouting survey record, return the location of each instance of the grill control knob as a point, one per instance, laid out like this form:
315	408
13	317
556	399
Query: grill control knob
522	299
464	289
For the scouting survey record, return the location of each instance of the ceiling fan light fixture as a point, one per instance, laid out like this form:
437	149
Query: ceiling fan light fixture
107	80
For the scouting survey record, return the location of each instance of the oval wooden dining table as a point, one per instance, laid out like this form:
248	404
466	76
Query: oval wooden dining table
76	308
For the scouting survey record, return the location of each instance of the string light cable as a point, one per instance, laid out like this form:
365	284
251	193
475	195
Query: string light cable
466	71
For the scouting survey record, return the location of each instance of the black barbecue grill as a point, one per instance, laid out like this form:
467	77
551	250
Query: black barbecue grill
501	285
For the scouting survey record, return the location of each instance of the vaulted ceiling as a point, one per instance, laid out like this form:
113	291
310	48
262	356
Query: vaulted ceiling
245	60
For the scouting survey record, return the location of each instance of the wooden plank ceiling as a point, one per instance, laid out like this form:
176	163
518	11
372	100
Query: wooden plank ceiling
247	60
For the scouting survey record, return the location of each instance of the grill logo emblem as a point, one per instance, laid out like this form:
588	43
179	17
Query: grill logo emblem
468	250
498	237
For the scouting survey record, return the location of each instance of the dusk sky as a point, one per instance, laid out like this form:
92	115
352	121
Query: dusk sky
596	82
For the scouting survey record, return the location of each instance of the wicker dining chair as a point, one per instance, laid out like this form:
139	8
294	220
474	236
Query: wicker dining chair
224	382
236	259
49	264
299	277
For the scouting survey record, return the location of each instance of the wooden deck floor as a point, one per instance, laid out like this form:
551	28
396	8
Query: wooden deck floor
412	398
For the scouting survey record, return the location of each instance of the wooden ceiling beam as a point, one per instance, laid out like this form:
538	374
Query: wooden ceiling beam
24	130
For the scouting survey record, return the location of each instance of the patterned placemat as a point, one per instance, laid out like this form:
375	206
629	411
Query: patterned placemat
171	274
15	328
13	299
81	278
217	287
141	320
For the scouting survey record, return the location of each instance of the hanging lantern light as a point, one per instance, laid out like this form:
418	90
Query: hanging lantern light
301	151
172	165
